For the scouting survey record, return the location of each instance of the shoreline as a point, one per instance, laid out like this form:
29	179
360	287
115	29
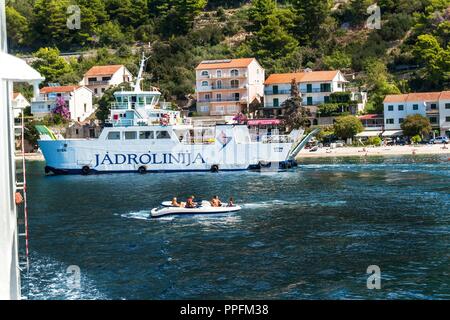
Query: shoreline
436	149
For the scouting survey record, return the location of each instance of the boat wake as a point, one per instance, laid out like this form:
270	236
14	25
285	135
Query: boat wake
298	203
52	280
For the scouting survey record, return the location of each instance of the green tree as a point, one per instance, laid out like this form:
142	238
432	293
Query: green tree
347	126
436	60
17	26
416	124
337	60
273	42
49	63
104	104
177	16
49	23
378	83
260	11
311	14
295	115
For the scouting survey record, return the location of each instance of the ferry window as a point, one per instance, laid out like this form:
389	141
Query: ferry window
114	135
141	100
145	135
148	100
119	99
162	135
130	135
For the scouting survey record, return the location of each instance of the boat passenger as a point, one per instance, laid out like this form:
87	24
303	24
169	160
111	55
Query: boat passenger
175	203
230	202
190	203
215	202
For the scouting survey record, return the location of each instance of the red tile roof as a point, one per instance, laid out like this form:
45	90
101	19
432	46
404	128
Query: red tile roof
313	76
103	70
445	95
412	97
225	64
60	89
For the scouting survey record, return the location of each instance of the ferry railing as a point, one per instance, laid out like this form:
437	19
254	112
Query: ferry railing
276	139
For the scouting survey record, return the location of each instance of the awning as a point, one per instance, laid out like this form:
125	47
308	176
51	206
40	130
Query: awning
369	133
15	69
264	122
392	133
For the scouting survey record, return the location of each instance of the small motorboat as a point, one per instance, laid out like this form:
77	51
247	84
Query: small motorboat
204	208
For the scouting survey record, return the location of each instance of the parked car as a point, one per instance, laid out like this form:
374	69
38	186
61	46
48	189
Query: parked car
442	139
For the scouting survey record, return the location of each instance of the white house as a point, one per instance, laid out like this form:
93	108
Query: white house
19	102
428	104
77	98
225	87
444	113
101	78
315	87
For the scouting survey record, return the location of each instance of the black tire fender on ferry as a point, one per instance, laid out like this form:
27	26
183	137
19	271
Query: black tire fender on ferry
214	168
142	170
85	170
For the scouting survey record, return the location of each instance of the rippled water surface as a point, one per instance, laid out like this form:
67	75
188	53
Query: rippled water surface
302	234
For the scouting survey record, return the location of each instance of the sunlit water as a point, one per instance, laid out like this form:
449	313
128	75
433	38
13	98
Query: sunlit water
302	234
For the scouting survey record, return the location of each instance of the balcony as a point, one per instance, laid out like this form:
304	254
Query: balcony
271	92
98	83
211	88
316	90
271	105
432	111
223	99
225	76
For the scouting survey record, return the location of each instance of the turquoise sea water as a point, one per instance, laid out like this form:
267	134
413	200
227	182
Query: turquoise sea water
308	233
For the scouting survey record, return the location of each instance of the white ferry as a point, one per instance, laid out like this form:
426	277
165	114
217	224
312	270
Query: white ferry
141	136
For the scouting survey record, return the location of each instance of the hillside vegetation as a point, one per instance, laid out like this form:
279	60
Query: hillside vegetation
411	51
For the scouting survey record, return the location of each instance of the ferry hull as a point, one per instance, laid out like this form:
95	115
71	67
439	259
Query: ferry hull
92	156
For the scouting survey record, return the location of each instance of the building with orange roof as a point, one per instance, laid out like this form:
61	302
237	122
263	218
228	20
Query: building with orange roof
433	105
78	99
101	78
315	88
227	87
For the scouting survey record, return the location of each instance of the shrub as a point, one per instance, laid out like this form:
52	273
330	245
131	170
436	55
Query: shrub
374	141
416	139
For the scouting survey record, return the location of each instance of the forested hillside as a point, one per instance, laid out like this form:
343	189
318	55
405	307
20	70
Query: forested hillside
411	51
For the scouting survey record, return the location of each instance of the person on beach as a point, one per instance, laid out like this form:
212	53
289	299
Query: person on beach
230	202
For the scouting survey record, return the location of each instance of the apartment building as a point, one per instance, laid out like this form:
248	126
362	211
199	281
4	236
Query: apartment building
77	98
433	105
227	87
315	87
101	78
